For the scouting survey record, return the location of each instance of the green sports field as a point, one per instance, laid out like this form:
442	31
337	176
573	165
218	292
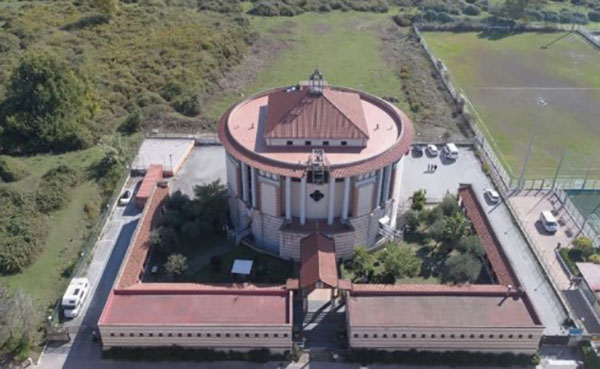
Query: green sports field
504	77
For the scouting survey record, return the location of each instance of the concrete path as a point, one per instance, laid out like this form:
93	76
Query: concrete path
467	169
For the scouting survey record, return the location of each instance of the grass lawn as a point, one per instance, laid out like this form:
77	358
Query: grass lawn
266	268
345	46
44	279
504	77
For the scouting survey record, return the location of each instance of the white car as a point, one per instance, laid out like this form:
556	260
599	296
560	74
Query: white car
125	197
492	195
432	150
74	297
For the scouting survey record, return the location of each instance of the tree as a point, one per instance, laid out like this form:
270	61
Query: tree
210	205
132	122
461	268
49	107
449	205
176	265
108	7
457	227
400	261
418	200
362	262
471	245
18	322
585	245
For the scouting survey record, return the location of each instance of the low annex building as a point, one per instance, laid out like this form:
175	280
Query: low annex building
223	316
488	318
313	157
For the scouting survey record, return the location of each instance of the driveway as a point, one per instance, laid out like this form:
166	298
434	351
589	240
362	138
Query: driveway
204	165
102	271
467	169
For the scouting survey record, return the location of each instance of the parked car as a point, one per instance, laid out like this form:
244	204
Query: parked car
432	150
491	195
450	151
418	150
548	221
73	299
125	197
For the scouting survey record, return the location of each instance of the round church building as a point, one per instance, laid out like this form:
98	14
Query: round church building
313	158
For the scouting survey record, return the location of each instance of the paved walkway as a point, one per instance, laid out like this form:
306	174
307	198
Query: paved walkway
467	169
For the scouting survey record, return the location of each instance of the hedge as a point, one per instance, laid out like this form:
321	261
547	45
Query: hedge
11	169
451	358
570	258
53	192
594	16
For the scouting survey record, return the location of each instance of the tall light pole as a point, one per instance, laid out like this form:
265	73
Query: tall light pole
540	103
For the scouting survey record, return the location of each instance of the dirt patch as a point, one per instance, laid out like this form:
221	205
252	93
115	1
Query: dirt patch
322	28
432	109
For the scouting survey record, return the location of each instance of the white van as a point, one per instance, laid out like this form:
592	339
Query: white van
451	151
74	297
548	221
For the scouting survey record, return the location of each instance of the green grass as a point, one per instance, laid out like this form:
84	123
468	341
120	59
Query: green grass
265	269
345	46
44	279
565	74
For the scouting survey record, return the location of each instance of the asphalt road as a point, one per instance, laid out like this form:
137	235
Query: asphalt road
101	273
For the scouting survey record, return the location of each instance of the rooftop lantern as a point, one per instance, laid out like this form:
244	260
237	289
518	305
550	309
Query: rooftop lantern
316	82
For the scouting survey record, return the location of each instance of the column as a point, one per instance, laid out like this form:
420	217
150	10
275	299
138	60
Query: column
253	184
387	183
244	182
303	200
379	183
346	203
288	198
331	200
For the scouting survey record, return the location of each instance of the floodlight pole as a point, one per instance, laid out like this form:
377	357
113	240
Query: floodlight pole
540	104
558	169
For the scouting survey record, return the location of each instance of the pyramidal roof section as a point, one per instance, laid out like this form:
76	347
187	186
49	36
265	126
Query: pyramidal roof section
299	114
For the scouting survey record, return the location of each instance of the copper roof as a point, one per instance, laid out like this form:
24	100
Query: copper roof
329	115
491	244
317	258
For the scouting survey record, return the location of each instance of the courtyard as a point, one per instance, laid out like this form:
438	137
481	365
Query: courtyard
504	77
467	170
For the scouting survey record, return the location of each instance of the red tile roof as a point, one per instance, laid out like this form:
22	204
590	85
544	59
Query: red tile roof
317	260
139	246
429	289
153	175
302	115
440	311
392	154
491	244
218	306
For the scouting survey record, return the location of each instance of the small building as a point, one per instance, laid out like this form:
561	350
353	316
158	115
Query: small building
151	178
590	287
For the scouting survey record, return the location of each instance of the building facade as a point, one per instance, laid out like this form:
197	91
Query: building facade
313	157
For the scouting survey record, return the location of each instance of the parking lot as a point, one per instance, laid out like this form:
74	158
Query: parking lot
467	169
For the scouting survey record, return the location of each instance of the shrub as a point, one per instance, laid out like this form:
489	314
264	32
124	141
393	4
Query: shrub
472	10
585	245
449	205
11	170
132	122
400	261
471	245
568	259
430	16
590	358
594	16
176	265
551	17
265	9
461	268
259	355
187	105
445	18
216	262
594	259
56	184
22	230
402	20
418	200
